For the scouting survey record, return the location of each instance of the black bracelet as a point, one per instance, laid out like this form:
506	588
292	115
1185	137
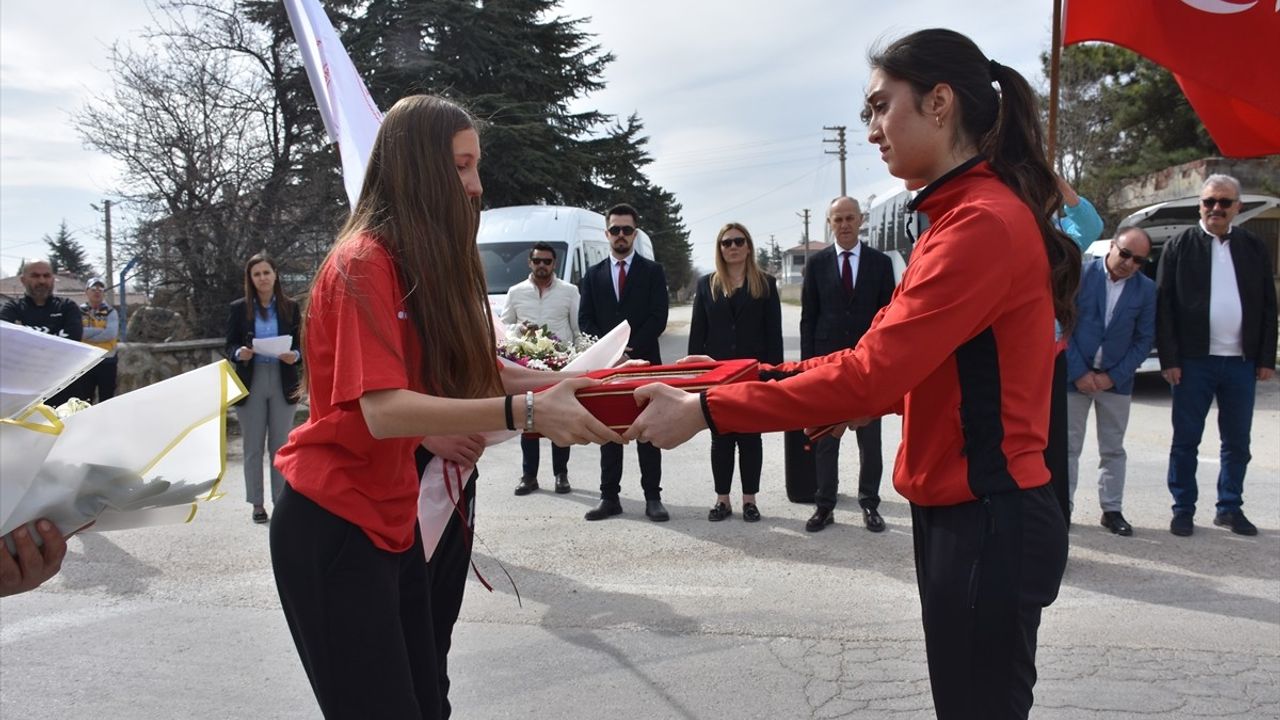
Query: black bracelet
511	420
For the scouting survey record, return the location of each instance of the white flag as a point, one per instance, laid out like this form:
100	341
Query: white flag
350	116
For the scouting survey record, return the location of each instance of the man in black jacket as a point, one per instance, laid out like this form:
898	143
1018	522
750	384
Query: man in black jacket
1216	335
845	285
626	286
39	309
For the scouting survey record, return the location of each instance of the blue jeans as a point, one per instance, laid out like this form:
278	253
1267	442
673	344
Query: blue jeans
1233	382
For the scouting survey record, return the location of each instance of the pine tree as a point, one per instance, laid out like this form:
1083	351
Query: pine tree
517	65
67	255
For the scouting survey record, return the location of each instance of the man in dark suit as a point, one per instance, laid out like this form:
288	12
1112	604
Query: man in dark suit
1216	333
626	287
845	285
1115	328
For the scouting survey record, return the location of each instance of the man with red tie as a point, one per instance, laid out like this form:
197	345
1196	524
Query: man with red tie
845	285
626	286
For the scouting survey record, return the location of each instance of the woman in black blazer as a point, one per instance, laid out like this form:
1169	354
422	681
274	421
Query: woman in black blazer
736	314
266	415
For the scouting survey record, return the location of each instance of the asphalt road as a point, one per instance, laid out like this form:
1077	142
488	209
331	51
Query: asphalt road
688	619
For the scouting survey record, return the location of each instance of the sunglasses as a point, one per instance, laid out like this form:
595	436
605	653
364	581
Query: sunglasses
1126	255
1223	203
737	241
617	230
542	261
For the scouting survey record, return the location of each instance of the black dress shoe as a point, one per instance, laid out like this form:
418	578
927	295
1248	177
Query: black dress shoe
260	516
654	511
607	508
822	517
750	512
562	484
871	517
1181	524
1236	520
720	512
527	485
1116	523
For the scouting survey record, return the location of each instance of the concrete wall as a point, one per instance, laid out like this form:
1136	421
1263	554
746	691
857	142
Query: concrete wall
142	364
1260	175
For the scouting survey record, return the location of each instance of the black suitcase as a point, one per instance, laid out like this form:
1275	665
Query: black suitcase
801	478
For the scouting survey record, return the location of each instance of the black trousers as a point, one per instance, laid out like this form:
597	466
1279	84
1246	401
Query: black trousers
650	470
373	628
99	383
530	452
826	462
986	569
1055	453
750	460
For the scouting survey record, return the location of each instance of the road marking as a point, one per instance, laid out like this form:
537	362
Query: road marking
672	590
12	632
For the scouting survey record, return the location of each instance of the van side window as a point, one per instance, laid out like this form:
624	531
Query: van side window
575	266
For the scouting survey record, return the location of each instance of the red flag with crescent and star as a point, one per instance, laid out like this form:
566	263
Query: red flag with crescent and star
1225	54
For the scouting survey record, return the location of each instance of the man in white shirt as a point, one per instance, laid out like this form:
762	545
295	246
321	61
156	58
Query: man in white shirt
1216	333
543	299
1115	328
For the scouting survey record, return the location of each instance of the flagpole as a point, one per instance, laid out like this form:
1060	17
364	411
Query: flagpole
1055	59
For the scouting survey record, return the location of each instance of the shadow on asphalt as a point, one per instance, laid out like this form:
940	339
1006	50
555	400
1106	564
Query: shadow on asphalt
104	565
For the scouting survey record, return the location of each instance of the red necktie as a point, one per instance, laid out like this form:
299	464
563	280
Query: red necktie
622	278
846	274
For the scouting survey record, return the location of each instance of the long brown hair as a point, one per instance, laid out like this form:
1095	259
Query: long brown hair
756	281
285	306
414	205
1005	127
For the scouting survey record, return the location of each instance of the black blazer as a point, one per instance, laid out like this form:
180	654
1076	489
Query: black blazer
829	321
739	326
1182	297
240	333
644	305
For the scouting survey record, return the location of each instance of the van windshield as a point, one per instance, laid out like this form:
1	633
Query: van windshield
507	263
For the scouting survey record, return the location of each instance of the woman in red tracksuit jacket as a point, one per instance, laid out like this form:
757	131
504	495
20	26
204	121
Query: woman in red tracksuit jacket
964	351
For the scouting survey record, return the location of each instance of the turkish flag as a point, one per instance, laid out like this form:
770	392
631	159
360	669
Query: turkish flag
1222	52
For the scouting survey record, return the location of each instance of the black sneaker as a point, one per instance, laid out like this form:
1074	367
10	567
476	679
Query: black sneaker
1235	520
1181	524
1115	522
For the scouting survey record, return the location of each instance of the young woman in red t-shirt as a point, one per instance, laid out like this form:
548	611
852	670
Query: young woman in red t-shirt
964	351
399	348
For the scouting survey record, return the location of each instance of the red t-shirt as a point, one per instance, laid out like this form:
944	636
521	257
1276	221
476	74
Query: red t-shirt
359	340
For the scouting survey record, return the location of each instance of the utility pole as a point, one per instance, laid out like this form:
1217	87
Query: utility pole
805	214
840	150
106	236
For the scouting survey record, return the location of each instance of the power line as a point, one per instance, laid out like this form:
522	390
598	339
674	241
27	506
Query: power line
764	195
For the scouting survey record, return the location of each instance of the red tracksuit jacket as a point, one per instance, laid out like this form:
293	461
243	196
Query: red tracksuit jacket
964	351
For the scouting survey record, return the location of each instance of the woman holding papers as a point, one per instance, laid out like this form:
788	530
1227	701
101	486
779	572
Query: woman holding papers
963	352
269	374
736	314
400	347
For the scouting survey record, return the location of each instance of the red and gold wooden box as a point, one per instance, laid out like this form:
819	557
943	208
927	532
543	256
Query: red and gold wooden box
613	401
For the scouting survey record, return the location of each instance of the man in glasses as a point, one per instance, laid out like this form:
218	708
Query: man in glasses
845	285
626	286
1115	329
1216	335
543	299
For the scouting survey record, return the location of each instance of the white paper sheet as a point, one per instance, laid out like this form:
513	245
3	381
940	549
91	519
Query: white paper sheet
34	365
273	346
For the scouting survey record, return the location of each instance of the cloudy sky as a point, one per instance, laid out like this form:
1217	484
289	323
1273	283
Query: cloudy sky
733	94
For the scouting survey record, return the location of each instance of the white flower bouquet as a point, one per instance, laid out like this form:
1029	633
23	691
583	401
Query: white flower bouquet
536	347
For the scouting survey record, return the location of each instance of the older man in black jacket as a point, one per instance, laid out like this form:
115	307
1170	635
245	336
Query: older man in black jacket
845	285
626	286
1216	334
